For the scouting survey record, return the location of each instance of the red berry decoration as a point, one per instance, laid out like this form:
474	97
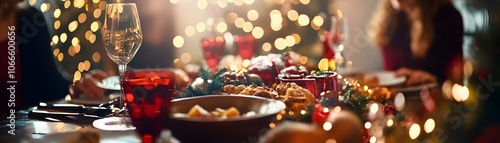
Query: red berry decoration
389	109
319	115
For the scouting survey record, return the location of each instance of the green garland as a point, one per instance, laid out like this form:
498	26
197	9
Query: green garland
214	87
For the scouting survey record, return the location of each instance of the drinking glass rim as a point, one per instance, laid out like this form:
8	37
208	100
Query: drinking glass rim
129	3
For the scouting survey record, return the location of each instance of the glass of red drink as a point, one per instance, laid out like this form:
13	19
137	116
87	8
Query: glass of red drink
148	94
246	45
213	49
326	82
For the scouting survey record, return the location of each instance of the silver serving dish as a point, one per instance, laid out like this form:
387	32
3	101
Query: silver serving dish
231	130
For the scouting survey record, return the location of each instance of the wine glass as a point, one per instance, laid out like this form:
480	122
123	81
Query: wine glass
122	37
338	33
213	50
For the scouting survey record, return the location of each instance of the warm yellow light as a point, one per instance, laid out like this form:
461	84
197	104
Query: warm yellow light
78	3
55	39
247	26
222	3
77	48
245	63
266	47
56	52
75	41
337	109
200	27
178	41
290	41
280	43
414	131
57	24
221	27
87	34
446	88
276	27
44	7
331	141
185	58
57	13
202	4
231	16
279	1
96	57
81	67
374	108
189	30
323	64
71	51
368	125
303	20
82	17
174	1
272	125
67	4
96	1
238	22
429	125
318	21
86	64
97	13
77	76
305	2
92	38
303	60
60	57
390	122
327	126
94	26
373	139
72	26
249	2
239	2
399	101
258	32
297	38
252	15
32	2
102	5
460	93
275	16
63	37
293	15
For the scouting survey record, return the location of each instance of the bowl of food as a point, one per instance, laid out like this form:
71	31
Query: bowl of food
222	118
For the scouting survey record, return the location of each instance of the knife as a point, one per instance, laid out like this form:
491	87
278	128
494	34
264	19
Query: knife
59	115
76	108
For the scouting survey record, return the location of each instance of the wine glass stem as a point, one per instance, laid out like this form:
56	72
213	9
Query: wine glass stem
122	68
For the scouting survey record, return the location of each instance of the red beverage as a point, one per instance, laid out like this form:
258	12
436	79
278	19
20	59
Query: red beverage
213	48
246	45
148	98
326	82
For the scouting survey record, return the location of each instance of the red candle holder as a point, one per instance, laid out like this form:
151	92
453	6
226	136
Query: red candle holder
213	49
246	45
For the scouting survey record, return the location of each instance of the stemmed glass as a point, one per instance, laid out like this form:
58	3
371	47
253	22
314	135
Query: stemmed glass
122	37
338	33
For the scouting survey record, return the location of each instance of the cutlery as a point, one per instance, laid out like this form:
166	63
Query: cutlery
76	108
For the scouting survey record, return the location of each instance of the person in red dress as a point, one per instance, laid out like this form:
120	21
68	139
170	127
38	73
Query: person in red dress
420	39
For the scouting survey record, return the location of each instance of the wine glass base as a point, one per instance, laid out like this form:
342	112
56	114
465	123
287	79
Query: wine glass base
114	124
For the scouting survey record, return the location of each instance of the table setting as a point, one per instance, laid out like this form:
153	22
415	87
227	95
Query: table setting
249	95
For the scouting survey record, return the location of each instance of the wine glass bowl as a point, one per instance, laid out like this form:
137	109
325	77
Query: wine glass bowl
337	35
213	49
121	37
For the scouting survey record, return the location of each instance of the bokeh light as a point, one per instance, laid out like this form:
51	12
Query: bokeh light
178	41
266	47
257	32
429	125
414	131
280	43
252	15
303	20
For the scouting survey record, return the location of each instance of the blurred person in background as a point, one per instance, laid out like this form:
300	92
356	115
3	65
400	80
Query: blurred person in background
25	42
156	51
420	39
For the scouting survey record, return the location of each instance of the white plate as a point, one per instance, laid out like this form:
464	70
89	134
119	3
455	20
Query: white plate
386	78
110	83
106	137
417	88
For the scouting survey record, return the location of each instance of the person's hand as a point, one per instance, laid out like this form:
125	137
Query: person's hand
87	85
415	77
